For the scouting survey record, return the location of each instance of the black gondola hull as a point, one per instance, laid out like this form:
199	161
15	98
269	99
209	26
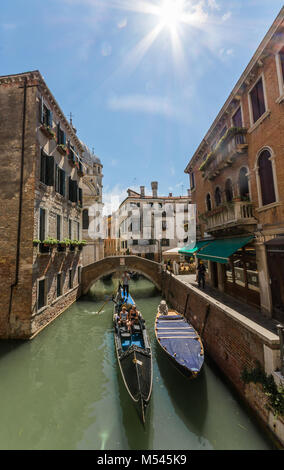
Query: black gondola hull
135	364
180	342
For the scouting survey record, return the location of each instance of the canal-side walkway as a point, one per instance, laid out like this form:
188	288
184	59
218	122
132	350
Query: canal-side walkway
227	302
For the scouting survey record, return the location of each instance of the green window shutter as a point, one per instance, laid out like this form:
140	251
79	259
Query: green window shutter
50	171
70	188
80	197
42	167
56	185
62	182
41	110
58	134
41	224
50	118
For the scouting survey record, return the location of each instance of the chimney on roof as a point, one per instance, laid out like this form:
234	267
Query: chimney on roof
142	191
170	194
154	186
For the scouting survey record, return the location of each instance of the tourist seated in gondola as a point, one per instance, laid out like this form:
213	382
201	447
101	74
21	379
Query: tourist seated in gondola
163	308
134	315
124	318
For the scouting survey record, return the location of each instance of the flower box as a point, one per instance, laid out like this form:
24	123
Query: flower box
47	131
62	149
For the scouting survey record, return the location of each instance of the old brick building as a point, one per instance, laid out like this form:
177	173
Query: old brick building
41	200
237	183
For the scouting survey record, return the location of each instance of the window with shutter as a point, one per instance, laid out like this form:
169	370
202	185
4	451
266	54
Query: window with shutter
218	198
56	186
58	227
80	197
85	217
41	294
49	171
257	100
42	219
266	178
41	110
70	278
243	184
208	202
62	182
43	167
59	285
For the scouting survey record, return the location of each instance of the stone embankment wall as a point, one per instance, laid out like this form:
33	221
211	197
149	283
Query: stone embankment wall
233	341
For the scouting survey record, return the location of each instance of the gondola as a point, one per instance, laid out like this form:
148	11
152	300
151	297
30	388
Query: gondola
180	341
134	356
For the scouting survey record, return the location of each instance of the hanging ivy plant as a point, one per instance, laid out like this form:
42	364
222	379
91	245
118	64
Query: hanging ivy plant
274	394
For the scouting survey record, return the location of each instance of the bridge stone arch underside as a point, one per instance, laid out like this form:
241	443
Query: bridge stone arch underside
93	272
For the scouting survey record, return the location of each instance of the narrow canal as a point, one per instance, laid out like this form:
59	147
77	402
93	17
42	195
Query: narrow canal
63	391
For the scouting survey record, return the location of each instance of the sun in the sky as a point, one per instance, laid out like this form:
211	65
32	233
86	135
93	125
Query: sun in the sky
171	13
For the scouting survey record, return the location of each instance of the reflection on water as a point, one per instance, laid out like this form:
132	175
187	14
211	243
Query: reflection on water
63	390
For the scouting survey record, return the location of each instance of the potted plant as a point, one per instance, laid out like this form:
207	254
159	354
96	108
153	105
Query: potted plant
81	244
62	244
36	242
48	131
51	242
62	149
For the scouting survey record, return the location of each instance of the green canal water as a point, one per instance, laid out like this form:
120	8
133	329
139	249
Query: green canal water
62	390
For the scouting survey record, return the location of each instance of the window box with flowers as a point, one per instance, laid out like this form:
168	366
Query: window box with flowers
47	131
63	244
47	245
62	149
81	244
36	242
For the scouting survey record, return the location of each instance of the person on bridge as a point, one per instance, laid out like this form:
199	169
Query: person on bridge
125	282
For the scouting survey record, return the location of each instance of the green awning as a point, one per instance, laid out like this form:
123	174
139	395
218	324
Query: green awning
221	250
189	250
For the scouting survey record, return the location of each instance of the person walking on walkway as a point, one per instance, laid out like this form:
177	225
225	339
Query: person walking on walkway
201	270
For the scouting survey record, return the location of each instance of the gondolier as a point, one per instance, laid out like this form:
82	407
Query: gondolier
125	284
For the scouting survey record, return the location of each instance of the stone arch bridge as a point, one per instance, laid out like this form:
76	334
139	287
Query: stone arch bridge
93	272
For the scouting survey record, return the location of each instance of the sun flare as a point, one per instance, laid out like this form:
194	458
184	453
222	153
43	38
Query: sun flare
171	14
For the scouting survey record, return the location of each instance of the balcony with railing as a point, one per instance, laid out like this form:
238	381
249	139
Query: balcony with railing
238	214
232	144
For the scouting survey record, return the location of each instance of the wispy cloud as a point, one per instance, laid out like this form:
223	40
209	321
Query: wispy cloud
156	105
122	23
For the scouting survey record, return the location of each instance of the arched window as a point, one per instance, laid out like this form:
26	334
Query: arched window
85	216
266	178
229	190
208	202
243	184
218	198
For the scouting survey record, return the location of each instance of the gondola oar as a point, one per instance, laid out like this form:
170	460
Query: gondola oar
110	298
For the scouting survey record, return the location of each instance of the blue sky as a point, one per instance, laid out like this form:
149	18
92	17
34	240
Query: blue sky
143	88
